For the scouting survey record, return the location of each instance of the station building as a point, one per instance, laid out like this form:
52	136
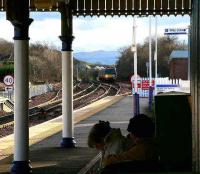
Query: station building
178	64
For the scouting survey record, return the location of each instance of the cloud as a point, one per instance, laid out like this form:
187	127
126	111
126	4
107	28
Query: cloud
6	29
44	15
107	34
110	33
46	30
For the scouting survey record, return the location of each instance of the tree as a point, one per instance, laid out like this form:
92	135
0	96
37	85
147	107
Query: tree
165	46
6	50
45	63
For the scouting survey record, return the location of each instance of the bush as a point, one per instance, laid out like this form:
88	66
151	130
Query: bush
6	69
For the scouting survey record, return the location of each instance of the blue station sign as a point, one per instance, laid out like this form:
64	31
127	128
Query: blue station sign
174	31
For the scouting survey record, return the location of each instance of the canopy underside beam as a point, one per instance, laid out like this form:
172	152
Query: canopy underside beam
114	7
131	7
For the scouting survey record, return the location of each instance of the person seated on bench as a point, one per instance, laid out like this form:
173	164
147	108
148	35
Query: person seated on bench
108	140
141	129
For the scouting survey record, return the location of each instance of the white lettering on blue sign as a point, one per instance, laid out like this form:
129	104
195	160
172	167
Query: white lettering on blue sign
171	31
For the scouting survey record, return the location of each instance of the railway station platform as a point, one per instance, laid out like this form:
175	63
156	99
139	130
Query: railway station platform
46	156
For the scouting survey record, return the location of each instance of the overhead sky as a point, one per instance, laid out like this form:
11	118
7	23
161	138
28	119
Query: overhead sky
94	33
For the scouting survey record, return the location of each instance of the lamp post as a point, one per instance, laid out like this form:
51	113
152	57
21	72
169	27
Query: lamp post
134	50
147	66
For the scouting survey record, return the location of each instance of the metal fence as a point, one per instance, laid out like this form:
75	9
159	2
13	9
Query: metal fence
162	85
34	90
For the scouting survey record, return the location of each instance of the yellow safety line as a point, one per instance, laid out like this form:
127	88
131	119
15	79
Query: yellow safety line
44	130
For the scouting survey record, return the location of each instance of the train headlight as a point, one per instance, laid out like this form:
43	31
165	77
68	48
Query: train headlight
106	76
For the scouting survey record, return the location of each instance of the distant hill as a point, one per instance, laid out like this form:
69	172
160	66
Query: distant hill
102	57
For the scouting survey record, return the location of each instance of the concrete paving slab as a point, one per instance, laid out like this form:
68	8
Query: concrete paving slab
47	157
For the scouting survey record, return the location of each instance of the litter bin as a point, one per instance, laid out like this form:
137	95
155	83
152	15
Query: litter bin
174	130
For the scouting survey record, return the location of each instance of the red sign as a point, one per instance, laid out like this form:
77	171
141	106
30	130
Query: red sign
145	84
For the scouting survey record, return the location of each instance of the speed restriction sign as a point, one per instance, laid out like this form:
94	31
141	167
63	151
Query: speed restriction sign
8	80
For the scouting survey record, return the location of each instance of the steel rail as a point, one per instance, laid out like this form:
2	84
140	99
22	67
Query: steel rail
88	93
36	110
83	90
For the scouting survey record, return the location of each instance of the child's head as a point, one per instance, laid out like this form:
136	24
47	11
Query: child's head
141	126
97	134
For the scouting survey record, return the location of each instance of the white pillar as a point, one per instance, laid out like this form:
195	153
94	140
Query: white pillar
135	72
67	75
134	50
155	55
67	94
150	58
18	14
67	100
21	95
188	52
150	69
136	107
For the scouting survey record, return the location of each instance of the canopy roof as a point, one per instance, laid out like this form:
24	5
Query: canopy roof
177	54
114	7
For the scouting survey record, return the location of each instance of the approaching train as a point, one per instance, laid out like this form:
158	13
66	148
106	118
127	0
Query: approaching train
107	74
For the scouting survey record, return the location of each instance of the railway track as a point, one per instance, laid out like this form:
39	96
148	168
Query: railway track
114	88
91	93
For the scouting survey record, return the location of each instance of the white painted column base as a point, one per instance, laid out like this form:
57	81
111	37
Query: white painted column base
67	100
21	94
21	163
